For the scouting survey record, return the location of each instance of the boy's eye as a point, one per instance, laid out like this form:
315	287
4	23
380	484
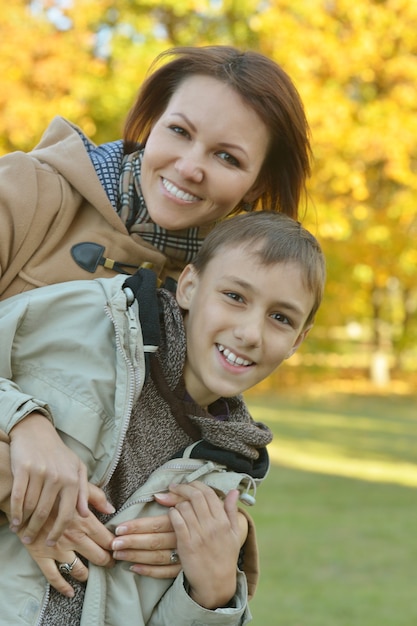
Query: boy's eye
233	296
229	158
279	317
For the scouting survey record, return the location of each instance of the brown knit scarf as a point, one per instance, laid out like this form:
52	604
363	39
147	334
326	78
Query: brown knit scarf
180	245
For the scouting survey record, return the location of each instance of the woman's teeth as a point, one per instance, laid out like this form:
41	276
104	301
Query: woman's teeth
232	358
178	193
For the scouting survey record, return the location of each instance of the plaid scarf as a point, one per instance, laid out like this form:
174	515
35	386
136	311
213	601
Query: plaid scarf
181	245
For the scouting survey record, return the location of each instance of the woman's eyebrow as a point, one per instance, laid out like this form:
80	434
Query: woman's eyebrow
186	119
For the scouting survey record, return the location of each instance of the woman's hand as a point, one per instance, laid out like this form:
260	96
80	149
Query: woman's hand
148	543
45	472
85	536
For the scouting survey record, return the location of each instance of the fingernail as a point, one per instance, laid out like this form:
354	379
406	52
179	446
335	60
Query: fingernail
136	569
50	543
162	496
117	544
15	522
110	508
119	555
121	530
27	540
70	594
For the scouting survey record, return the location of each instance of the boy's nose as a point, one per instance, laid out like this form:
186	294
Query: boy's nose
249	332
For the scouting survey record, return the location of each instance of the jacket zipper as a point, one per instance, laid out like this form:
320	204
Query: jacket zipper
133	383
44	604
151	498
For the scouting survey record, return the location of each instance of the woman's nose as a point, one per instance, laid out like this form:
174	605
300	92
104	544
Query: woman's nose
190	167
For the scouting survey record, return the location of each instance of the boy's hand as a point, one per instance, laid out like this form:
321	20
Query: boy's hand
45	472
208	538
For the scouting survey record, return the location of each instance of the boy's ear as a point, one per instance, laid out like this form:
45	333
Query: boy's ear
299	341
185	287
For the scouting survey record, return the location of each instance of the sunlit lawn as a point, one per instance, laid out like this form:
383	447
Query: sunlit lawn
337	515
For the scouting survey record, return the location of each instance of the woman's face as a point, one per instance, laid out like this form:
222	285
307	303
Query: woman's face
203	155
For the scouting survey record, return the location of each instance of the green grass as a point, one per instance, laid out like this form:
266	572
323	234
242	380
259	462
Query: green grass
337	515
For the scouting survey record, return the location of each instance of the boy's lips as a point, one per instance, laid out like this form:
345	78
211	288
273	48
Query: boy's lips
232	358
179	193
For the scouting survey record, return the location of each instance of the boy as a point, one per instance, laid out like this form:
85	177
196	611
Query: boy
244	305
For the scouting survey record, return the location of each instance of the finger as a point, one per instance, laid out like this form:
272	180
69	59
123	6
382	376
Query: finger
230	506
202	499
145	557
17	497
41	509
145	525
82	500
168	499
94	553
97	499
52	575
95	531
78	570
145	542
66	511
156	571
51	572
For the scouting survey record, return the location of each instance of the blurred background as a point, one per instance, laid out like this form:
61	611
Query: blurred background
337	516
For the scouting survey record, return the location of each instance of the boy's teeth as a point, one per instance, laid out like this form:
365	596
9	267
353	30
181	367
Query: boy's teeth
178	193
232	358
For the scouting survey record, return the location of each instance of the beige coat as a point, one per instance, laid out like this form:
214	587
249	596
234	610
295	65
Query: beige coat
51	199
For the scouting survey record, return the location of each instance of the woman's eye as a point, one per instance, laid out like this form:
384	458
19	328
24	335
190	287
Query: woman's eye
179	130
228	158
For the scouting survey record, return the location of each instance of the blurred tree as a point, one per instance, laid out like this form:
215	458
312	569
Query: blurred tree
356	68
86	59
355	65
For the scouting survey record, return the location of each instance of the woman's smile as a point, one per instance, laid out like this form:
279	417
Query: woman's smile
178	193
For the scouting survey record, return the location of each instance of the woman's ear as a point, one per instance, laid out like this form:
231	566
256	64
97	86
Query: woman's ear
298	341
187	282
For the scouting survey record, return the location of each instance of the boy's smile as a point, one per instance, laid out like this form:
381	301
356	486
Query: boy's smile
243	318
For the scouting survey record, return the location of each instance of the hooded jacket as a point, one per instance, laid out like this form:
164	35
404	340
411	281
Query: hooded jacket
90	400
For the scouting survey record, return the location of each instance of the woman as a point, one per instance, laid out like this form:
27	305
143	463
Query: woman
220	131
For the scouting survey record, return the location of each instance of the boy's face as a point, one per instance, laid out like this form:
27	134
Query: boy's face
243	319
